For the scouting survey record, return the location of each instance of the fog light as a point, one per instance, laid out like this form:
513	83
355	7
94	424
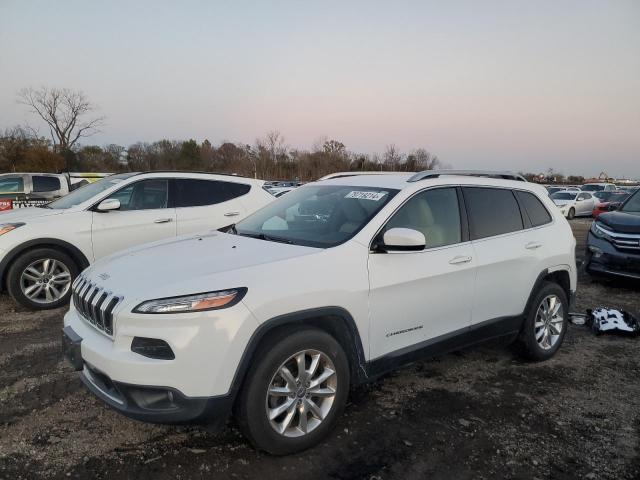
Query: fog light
596	251
152	348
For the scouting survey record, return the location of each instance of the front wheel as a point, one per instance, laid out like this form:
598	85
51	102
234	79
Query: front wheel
41	279
572	213
295	391
546	323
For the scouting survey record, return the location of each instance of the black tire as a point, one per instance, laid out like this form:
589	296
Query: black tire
528	345
251	410
572	213
23	261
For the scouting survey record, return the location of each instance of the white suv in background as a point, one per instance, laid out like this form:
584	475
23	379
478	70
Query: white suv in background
373	271
43	249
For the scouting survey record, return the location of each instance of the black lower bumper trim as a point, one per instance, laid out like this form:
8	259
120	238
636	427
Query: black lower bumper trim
156	404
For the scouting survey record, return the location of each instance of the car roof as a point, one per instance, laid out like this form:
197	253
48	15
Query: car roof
401	181
193	174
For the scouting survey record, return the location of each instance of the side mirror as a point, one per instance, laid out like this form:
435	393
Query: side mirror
613	207
403	240
109	204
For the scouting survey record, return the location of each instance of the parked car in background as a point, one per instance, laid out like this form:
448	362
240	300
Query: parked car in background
609	200
598	187
373	271
574	204
43	249
20	190
613	243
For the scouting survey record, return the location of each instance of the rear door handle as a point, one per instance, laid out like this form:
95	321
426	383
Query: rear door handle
232	214
460	259
163	220
532	245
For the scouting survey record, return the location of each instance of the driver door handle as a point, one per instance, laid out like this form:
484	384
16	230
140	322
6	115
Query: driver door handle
163	220
232	214
532	245
460	259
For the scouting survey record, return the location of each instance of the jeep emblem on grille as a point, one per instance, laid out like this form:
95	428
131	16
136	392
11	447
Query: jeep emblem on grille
104	276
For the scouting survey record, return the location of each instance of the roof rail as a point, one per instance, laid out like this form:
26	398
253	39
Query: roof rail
426	174
358	173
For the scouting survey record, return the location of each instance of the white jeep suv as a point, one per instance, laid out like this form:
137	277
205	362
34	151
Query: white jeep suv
372	272
43	249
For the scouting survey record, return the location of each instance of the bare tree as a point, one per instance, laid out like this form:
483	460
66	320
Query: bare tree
64	111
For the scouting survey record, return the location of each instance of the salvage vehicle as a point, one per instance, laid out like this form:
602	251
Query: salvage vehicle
42	249
374	271
610	200
598	187
613	242
21	190
575	203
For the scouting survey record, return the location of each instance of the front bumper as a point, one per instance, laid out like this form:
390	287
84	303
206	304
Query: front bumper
603	258
194	386
142	402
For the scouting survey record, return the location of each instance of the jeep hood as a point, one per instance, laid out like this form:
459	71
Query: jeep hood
24	214
189	264
624	222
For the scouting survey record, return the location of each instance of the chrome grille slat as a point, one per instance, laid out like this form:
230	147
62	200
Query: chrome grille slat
95	304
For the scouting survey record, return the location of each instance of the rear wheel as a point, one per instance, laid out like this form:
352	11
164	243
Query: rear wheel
294	392
41	279
546	323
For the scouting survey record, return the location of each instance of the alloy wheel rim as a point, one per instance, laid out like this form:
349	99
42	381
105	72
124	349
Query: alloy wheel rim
549	322
45	280
301	393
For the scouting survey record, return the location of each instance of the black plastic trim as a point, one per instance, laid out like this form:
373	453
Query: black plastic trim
507	327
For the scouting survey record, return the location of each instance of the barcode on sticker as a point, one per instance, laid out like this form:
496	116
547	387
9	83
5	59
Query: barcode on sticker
375	196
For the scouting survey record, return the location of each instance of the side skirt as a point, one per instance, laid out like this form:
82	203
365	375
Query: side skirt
507	327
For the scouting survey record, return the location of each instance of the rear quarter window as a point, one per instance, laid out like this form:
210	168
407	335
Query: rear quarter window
491	211
534	209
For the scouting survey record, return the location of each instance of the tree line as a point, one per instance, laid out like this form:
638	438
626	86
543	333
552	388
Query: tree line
269	158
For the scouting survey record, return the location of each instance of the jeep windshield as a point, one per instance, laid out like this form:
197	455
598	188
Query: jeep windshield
88	191
320	216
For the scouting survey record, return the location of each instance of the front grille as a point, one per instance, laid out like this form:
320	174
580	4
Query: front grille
623	241
95	304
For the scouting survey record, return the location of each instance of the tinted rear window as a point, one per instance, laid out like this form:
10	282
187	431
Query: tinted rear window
45	184
492	211
197	193
534	209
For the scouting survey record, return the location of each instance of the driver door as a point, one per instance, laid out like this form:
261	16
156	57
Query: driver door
143	217
585	203
416	297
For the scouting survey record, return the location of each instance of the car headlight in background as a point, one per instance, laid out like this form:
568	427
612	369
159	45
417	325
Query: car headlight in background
193	303
8	227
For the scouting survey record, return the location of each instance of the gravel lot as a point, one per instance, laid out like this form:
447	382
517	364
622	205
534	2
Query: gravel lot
478	413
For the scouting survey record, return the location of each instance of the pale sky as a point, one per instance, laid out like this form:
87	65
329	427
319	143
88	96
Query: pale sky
518	85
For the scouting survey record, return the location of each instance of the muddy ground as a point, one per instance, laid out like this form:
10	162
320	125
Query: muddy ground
480	413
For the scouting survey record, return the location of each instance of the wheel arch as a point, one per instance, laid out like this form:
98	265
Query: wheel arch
336	321
74	252
559	275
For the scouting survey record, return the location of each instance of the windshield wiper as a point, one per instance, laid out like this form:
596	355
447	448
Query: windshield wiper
262	236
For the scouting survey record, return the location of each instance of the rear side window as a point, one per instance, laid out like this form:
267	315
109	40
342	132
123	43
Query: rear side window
11	185
45	184
492	211
198	193
534	209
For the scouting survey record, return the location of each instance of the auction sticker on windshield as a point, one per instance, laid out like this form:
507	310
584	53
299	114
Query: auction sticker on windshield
375	196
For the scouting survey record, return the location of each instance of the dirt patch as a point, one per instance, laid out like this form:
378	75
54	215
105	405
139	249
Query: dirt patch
480	413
